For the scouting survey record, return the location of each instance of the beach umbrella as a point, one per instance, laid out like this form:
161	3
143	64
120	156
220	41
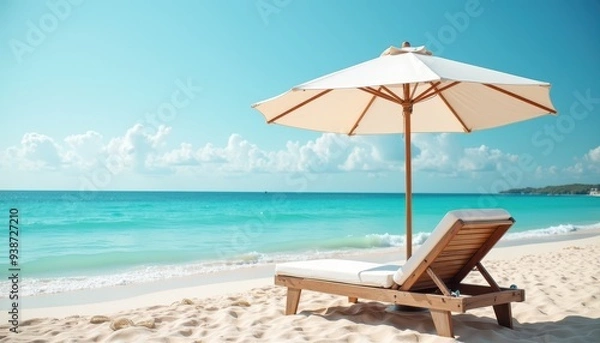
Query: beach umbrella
407	90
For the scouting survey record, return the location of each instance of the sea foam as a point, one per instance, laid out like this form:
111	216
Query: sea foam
347	246
562	229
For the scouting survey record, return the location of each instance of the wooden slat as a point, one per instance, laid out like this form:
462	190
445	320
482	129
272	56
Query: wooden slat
468	239
485	248
504	315
479	230
483	235
447	275
503	311
438	282
448	279
446	265
484	224
449	259
445	256
475	236
432	255
495	298
438	265
464	247
293	298
424	285
482	228
487	277
459	254
442	321
454	255
431	301
466	254
446	268
471	289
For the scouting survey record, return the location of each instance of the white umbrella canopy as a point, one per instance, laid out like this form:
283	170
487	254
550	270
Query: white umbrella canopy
408	90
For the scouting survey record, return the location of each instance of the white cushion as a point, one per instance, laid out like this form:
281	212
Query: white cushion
383	275
445	224
345	271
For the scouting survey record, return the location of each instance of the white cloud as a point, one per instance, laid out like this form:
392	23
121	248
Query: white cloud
577	169
140	151
36	151
544	172
436	153
593	155
328	153
82	150
440	154
589	163
182	156
484	159
135	150
83	139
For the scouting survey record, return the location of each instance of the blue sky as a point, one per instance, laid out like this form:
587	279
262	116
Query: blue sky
156	94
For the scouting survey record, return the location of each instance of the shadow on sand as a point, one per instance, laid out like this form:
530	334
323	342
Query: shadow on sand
467	327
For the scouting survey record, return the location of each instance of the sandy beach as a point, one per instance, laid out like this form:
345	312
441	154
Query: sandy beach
160	160
560	278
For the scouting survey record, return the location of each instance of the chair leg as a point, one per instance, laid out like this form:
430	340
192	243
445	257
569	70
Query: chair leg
353	300
293	298
442	320
504	315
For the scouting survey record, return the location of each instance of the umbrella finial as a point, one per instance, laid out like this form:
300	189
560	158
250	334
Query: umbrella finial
406	44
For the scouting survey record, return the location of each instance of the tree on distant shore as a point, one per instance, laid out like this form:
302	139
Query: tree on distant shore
575	188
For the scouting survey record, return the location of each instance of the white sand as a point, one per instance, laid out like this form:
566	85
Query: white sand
562	304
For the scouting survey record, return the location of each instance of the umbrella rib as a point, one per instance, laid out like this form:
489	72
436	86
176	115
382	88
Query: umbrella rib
363	114
414	91
439	92
425	92
516	96
299	105
424	96
380	94
392	94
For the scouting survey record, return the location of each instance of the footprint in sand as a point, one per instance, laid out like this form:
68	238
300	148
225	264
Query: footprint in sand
99	319
120	323
148	323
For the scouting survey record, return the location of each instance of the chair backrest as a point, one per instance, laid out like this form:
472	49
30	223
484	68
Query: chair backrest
456	245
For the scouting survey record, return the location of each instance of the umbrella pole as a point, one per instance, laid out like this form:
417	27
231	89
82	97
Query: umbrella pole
407	109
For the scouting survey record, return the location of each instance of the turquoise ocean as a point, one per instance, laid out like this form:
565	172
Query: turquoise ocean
84	240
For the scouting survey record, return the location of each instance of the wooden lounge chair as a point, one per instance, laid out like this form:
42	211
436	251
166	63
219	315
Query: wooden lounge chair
431	278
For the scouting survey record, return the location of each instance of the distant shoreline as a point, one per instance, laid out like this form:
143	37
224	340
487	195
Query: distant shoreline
571	189
516	191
